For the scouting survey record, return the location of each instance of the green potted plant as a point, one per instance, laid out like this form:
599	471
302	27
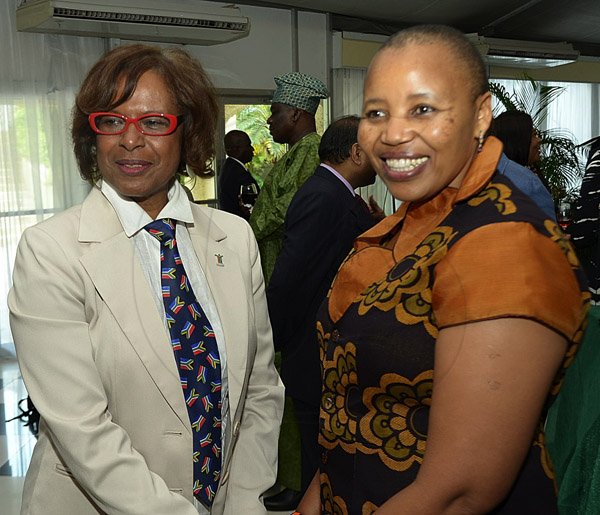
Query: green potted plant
559	165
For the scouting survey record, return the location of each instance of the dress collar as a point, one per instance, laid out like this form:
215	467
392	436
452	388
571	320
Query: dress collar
477	177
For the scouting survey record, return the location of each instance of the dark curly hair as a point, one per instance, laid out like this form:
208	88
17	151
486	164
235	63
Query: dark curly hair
112	81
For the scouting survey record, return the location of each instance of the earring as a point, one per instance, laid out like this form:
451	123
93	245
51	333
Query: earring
481	142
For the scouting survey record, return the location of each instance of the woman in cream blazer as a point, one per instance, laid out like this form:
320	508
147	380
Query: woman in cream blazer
94	350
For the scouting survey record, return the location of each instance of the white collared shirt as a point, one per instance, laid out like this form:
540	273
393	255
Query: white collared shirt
147	248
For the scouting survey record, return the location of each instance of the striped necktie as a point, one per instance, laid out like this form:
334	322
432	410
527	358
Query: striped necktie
197	357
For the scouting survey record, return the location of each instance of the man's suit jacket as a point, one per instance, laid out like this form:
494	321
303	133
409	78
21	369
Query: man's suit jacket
231	177
321	223
94	352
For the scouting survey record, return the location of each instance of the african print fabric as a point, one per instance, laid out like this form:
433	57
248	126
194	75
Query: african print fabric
420	270
280	186
300	90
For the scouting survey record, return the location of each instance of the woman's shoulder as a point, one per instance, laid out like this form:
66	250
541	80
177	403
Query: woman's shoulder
59	225
511	270
227	222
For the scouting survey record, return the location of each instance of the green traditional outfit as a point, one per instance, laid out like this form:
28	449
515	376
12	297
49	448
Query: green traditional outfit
268	214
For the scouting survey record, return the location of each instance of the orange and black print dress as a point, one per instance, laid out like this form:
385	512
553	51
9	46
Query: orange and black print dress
479	252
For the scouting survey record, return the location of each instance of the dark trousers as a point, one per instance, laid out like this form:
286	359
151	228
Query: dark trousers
307	416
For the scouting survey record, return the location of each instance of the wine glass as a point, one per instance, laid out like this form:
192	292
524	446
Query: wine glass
564	214
248	194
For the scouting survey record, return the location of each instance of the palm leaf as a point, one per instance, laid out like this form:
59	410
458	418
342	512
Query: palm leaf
253	120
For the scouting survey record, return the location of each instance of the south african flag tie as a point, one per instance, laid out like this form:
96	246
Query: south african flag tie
197	357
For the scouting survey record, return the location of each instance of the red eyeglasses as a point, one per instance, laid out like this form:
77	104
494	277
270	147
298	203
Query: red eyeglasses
153	124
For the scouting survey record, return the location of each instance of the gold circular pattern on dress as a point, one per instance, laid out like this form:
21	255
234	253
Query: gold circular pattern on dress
331	505
540	441
368	508
407	287
340	377
390	425
499	195
558	236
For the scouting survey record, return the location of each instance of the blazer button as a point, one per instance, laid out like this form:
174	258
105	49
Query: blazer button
335	335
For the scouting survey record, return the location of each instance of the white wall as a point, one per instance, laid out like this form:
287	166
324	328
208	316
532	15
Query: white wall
252	62
278	43
314	45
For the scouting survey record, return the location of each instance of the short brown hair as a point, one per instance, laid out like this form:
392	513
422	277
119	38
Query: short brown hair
112	81
456	41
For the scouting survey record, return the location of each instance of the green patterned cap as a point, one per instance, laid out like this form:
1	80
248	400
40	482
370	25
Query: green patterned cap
300	90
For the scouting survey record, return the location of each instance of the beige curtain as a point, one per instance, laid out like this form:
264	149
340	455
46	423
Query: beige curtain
39	76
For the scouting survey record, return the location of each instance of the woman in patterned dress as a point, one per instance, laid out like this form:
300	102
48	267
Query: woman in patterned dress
448	327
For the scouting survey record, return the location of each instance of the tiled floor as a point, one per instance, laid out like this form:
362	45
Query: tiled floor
16	441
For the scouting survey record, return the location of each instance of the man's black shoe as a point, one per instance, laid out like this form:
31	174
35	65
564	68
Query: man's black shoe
285	500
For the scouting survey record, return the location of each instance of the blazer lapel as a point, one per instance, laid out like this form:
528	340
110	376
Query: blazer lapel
222	270
115	271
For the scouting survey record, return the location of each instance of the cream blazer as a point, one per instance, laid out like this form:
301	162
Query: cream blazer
95	357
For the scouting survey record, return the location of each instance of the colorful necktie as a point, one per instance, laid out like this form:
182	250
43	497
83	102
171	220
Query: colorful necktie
197	356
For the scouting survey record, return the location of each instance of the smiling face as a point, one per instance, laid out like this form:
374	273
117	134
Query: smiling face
138	166
421	122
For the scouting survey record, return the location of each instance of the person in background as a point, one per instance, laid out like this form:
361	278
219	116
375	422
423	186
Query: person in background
140	319
321	223
234	173
573	423
446	330
520	154
521	140
292	122
585	221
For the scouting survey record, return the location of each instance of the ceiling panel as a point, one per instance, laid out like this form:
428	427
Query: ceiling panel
574	21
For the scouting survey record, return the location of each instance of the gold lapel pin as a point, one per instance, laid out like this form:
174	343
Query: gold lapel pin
219	259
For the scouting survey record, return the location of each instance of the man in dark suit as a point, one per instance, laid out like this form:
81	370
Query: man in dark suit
234	173
322	221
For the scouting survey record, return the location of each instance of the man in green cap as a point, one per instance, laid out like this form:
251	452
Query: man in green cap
292	122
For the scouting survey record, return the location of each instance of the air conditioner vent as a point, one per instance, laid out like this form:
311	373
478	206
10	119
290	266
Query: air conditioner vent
169	21
523	54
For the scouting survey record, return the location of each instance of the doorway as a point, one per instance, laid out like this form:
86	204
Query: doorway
247	112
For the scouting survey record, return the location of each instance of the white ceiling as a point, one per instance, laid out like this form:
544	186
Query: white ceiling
573	21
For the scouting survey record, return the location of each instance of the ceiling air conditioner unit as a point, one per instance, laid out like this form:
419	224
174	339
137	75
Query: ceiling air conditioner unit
523	54
180	21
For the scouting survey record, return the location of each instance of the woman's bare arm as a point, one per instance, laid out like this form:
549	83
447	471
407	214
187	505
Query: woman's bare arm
311	502
491	380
